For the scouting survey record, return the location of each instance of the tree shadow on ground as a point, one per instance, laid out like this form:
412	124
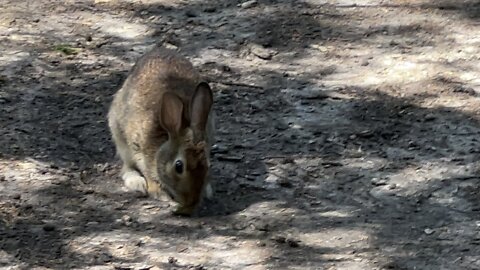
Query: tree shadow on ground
284	26
384	125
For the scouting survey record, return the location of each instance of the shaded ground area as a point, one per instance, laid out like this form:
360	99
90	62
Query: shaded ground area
347	135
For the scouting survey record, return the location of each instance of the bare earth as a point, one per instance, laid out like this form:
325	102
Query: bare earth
347	135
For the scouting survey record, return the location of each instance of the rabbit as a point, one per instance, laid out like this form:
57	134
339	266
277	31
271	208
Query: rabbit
162	124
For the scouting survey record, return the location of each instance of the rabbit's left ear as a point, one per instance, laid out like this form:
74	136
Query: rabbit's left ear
200	106
171	113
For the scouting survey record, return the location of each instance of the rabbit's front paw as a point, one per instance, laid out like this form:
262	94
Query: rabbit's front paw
155	191
181	210
135	182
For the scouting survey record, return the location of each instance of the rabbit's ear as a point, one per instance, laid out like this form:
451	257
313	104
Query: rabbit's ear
171	113
201	104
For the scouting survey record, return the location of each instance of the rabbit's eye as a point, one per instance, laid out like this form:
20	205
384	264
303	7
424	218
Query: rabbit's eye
179	166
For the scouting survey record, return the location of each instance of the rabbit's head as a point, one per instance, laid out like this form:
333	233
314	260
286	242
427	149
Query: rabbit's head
183	161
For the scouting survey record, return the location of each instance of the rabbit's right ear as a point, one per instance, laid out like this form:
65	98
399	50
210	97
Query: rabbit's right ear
171	113
201	105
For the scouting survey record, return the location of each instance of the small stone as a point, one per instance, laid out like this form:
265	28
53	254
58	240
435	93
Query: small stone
264	227
249	4
381	193
16	197
122	267
365	134
92	223
172	260
210	9
283	182
280	239
150	227
430	117
281	126
328	164
412	144
261	52
261	244
255	173
126	220
293	243
272	179
378	182
428	231
190	13
392	186
219	149
170	46
226	68
106	257
49	227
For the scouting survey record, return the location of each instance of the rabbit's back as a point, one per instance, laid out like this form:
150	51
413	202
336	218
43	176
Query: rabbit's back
133	115
157	72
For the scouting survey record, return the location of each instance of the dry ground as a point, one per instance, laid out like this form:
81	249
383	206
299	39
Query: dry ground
348	135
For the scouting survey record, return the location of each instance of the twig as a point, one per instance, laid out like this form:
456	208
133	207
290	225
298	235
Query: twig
241	84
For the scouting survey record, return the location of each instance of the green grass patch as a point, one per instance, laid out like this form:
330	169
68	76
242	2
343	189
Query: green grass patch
66	49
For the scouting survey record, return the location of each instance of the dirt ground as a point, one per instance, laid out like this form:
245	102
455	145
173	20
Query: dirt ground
347	135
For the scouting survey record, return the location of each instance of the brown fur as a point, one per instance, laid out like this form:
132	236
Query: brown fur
163	113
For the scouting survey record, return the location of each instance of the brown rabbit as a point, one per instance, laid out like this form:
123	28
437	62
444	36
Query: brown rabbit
162	126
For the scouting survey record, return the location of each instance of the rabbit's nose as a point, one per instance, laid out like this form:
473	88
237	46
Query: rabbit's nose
169	194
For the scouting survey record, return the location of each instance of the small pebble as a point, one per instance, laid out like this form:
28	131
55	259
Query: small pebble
392	186
261	244
430	117
249	4
428	231
210	9
378	182
219	149
280	239
48	227
191	13
126	218
292	243
283	182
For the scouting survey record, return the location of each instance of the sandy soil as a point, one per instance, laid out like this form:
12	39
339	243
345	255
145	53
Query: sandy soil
348	135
